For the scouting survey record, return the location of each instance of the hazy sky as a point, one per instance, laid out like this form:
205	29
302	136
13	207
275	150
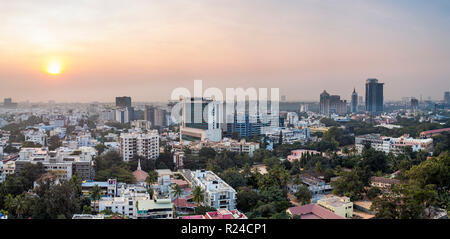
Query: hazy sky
145	49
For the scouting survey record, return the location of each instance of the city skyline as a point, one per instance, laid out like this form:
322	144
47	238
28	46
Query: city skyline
90	51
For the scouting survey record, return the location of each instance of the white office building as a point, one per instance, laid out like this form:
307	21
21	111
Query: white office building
394	145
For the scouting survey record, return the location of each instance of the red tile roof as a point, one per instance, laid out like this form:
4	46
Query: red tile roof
313	211
140	175
434	131
182	203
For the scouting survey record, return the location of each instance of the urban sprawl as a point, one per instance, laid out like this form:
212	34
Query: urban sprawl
333	159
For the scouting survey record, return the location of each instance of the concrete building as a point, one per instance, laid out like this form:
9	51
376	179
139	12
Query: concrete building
374	96
197	125
178	159
341	206
394	145
354	106
155	208
36	136
218	193
139	144
63	163
126	201
108	188
447	97
312	211
288	136
330	104
124	101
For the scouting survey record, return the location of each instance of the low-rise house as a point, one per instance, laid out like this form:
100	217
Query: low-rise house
341	206
297	155
108	188
312	211
155	208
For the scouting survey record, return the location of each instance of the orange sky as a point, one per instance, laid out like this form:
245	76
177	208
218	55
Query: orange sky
145	49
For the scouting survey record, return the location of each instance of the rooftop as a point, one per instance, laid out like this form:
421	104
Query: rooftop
313	211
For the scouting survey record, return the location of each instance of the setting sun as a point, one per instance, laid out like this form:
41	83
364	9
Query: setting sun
54	68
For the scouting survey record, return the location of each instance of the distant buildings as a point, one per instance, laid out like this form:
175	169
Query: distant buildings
330	104
394	145
354	106
7	103
218	193
156	116
124	101
374	96
447	97
124	113
414	104
139	144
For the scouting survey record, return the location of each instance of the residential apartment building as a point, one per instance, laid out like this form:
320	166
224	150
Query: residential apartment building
63	163
330	104
218	193
341	206
36	136
126	201
139	144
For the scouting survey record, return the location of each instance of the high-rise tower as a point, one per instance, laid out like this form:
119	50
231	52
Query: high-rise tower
374	96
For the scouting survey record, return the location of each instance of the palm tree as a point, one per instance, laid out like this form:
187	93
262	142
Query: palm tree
177	191
96	195
151	178
150	192
10	203
198	195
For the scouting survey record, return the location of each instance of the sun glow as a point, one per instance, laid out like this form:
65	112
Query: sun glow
54	68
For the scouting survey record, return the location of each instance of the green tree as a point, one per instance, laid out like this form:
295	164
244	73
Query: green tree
198	195
303	195
177	191
151	178
96	195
